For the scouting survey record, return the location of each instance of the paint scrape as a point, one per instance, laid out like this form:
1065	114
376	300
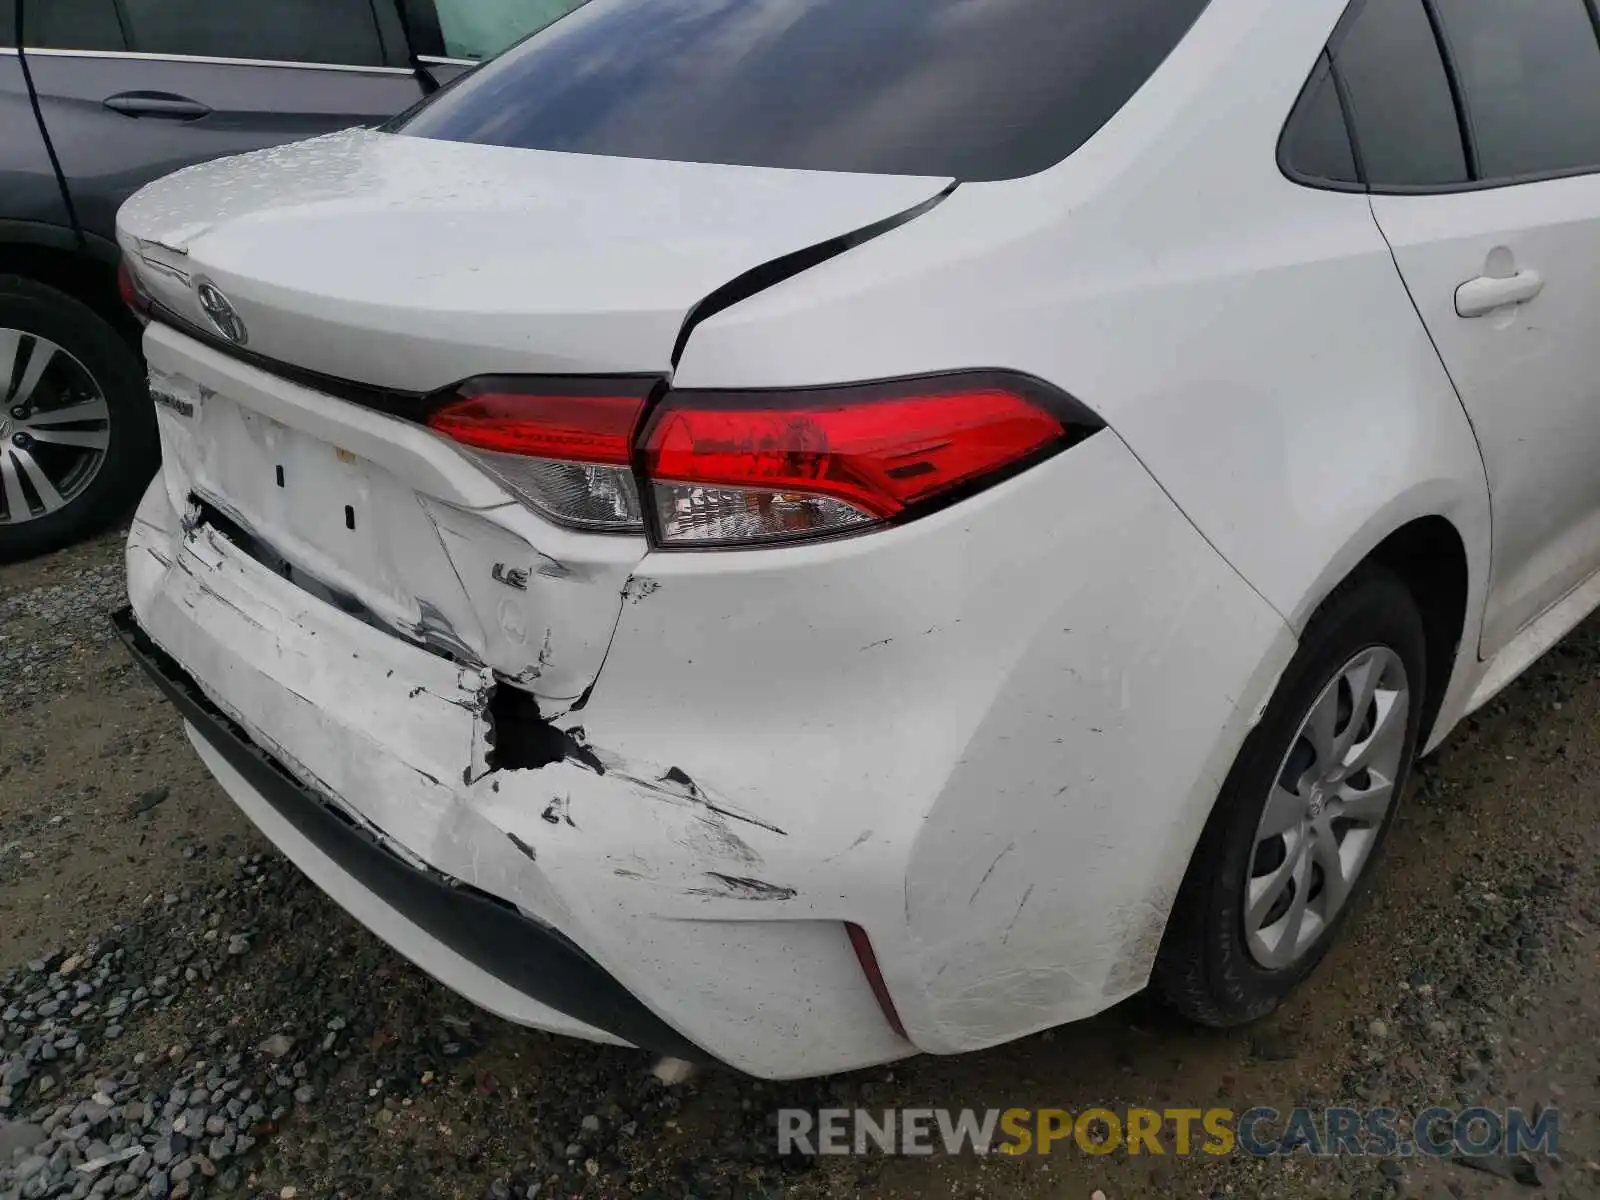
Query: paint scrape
741	888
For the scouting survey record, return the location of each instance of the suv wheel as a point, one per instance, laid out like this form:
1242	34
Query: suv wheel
1303	814
77	430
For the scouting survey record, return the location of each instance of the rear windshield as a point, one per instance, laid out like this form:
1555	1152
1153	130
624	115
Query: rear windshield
975	89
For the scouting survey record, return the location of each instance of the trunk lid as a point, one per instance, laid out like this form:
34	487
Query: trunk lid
411	263
381	519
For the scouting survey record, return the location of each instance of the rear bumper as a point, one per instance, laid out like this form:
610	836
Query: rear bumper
533	960
989	738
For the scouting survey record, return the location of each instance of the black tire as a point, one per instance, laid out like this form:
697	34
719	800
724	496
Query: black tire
1205	970
133	450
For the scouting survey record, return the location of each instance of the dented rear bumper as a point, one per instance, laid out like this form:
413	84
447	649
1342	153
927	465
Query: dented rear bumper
525	956
994	762
395	742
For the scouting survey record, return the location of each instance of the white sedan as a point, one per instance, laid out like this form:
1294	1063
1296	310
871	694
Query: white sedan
800	532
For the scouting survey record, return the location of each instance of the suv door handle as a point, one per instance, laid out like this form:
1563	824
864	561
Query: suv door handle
1481	296
157	104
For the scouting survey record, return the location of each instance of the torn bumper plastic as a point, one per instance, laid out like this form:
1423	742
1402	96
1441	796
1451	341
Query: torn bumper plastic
652	895
941	734
530	959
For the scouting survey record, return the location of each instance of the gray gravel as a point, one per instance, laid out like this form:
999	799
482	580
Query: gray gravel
45	631
186	1117
73	1132
213	1026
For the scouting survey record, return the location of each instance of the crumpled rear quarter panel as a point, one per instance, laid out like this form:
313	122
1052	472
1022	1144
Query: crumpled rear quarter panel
990	737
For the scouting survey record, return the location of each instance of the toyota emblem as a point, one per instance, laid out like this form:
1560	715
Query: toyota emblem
221	313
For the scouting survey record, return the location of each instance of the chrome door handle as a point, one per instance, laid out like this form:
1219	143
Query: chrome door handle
1483	295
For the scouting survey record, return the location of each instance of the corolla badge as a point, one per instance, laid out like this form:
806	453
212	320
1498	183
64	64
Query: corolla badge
221	313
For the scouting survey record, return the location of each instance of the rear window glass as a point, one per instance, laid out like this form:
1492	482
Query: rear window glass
975	89
1404	117
1317	140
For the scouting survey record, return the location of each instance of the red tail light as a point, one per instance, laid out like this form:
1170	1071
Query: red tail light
523	417
743	468
729	467
132	291
561	445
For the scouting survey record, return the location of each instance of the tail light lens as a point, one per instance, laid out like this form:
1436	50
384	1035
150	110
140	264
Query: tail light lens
728	469
562	446
132	291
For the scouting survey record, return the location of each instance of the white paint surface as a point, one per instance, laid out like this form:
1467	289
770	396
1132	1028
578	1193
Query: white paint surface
413	263
989	737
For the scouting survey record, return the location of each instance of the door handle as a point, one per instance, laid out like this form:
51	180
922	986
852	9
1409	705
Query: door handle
1481	296
157	104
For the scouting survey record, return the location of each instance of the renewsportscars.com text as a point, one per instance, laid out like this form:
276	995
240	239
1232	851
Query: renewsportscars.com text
1261	1132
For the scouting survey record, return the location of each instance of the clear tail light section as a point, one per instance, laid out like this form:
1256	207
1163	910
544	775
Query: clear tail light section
720	469
563	446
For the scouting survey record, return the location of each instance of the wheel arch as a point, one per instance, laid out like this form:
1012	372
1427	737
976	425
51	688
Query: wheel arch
84	269
1429	557
1438	546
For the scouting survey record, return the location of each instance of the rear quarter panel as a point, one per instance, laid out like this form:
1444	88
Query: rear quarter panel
1252	343
1250	339
989	737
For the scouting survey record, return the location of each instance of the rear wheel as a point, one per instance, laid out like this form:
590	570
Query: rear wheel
77	431
1304	812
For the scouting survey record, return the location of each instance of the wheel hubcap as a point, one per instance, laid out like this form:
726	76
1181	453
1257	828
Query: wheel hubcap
1333	790
55	427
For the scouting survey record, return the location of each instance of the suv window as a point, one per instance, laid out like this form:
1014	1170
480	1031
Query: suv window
480	29
933	87
1402	112
1529	72
72	25
311	31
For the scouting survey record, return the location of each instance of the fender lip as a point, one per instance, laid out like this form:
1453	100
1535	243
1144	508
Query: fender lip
491	934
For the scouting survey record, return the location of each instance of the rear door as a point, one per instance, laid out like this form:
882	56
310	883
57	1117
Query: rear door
133	89
1495	224
31	203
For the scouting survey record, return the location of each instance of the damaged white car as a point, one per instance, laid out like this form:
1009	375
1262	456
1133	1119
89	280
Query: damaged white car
802	532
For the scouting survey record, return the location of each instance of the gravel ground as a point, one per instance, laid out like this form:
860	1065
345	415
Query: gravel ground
181	1015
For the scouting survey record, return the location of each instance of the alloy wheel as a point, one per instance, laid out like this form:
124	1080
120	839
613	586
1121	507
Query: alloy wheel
55	427
1333	791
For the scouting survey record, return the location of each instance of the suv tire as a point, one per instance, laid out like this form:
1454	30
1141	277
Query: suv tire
68	491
